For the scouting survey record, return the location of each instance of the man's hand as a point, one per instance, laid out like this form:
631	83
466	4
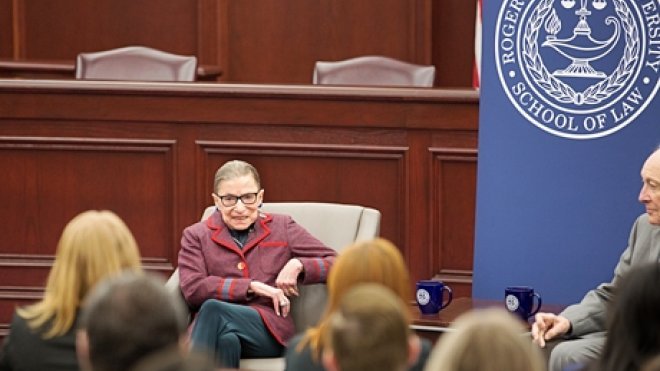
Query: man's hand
281	303
548	326
287	280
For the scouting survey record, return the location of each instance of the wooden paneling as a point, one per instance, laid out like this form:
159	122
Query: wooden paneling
253	41
453	43
454	180
6	30
210	20
51	180
24	270
285	38
148	151
62	29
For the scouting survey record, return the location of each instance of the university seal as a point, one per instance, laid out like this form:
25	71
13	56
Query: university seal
579	69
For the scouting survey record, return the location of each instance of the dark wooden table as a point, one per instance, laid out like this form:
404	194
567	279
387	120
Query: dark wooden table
431	326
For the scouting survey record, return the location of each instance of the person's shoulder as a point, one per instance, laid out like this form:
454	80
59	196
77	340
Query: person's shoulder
275	217
294	341
22	335
275	220
426	346
643	219
19	324
297	358
424	352
643	225
55	353
200	226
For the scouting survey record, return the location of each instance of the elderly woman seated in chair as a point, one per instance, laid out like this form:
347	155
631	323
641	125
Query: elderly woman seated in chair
241	266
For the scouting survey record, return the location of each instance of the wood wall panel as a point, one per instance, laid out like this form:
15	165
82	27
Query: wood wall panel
6	29
252	41
453	43
211	20
287	37
62	29
454	177
133	178
23	270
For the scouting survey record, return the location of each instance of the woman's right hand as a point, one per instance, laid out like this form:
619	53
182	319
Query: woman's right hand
281	303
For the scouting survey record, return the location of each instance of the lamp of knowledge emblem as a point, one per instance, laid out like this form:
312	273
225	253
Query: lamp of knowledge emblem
579	69
423	297
511	302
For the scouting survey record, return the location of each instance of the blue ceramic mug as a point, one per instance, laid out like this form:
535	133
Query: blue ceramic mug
519	300
430	296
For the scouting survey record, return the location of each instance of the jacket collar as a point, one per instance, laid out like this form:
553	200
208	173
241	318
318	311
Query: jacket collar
222	237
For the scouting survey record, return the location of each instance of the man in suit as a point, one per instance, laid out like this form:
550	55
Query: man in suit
583	324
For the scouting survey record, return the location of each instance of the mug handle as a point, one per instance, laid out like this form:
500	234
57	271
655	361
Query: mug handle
450	296
538	303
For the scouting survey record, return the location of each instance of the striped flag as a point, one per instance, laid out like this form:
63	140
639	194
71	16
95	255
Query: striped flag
476	71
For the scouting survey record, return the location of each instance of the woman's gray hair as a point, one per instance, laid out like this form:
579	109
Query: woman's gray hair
235	169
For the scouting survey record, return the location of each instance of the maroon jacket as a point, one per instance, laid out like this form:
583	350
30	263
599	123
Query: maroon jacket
212	266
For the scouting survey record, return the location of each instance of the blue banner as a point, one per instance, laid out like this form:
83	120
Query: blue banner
568	114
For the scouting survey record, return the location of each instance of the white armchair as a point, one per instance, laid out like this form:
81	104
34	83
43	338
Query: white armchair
336	225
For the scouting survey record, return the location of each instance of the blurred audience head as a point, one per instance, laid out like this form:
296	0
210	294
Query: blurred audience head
486	340
369	331
373	261
653	364
376	261
94	245
127	318
172	359
633	321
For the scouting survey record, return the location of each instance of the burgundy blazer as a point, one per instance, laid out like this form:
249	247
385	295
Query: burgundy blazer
212	266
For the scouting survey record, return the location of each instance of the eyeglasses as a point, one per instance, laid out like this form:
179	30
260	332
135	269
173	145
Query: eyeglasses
231	200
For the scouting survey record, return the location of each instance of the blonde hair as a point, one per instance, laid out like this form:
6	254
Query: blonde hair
369	330
486	340
373	261
94	245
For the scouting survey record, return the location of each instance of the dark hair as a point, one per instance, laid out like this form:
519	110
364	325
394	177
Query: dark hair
653	364
633	323
171	359
129	317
